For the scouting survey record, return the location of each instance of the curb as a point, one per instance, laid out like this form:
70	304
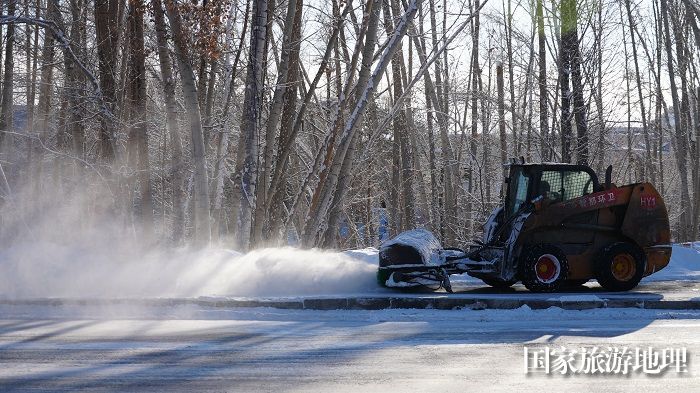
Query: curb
376	303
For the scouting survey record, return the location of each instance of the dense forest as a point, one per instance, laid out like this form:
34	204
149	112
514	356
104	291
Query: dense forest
334	123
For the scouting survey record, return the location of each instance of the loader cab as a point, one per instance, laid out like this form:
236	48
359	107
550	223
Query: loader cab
554	182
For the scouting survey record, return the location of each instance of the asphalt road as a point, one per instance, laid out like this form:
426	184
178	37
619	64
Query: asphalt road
189	348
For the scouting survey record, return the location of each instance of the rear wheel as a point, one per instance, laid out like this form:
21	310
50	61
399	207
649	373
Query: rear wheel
620	266
544	268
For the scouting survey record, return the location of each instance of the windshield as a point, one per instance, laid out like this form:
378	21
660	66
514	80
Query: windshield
517	190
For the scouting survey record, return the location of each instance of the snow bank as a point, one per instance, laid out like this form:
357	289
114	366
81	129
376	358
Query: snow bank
82	270
684	265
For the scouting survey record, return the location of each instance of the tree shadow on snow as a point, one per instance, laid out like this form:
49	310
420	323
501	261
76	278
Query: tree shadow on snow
319	343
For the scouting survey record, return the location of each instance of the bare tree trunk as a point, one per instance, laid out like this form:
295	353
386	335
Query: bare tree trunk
436	200
395	215
555	110
598	91
328	162
233	197
485	180
6	115
577	86
570	69
681	145
107	36
46	79
202	226
542	81
501	115
422	215
222	147
684	57
696	164
448	222
685	120
31	45
211	92
285	150
370	26
565	49
631	157
75	82
316	223
138	134
508	25
272	123
400	124
648	163
659	95
176	159
250	123
475	81
334	154
275	202
45	92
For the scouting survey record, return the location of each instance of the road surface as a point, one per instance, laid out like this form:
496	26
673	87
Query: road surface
194	348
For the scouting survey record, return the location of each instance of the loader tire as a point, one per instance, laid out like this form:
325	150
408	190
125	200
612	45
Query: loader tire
543	268
497	283
620	266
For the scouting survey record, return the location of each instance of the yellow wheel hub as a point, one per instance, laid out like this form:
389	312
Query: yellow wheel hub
623	267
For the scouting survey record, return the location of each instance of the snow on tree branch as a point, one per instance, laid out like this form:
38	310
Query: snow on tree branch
60	37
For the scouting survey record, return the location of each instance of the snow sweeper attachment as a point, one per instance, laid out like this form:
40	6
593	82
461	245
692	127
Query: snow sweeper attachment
557	227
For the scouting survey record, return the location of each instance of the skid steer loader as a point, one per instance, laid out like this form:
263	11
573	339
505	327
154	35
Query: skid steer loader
557	227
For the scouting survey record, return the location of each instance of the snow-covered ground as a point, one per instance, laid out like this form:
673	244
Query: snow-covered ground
198	349
684	265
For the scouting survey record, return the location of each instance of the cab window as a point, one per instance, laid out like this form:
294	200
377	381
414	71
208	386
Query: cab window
558	186
518	190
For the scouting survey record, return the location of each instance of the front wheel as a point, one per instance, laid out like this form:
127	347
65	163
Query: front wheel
620	266
544	268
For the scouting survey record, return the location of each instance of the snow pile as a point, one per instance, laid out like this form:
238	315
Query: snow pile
684	265
89	270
